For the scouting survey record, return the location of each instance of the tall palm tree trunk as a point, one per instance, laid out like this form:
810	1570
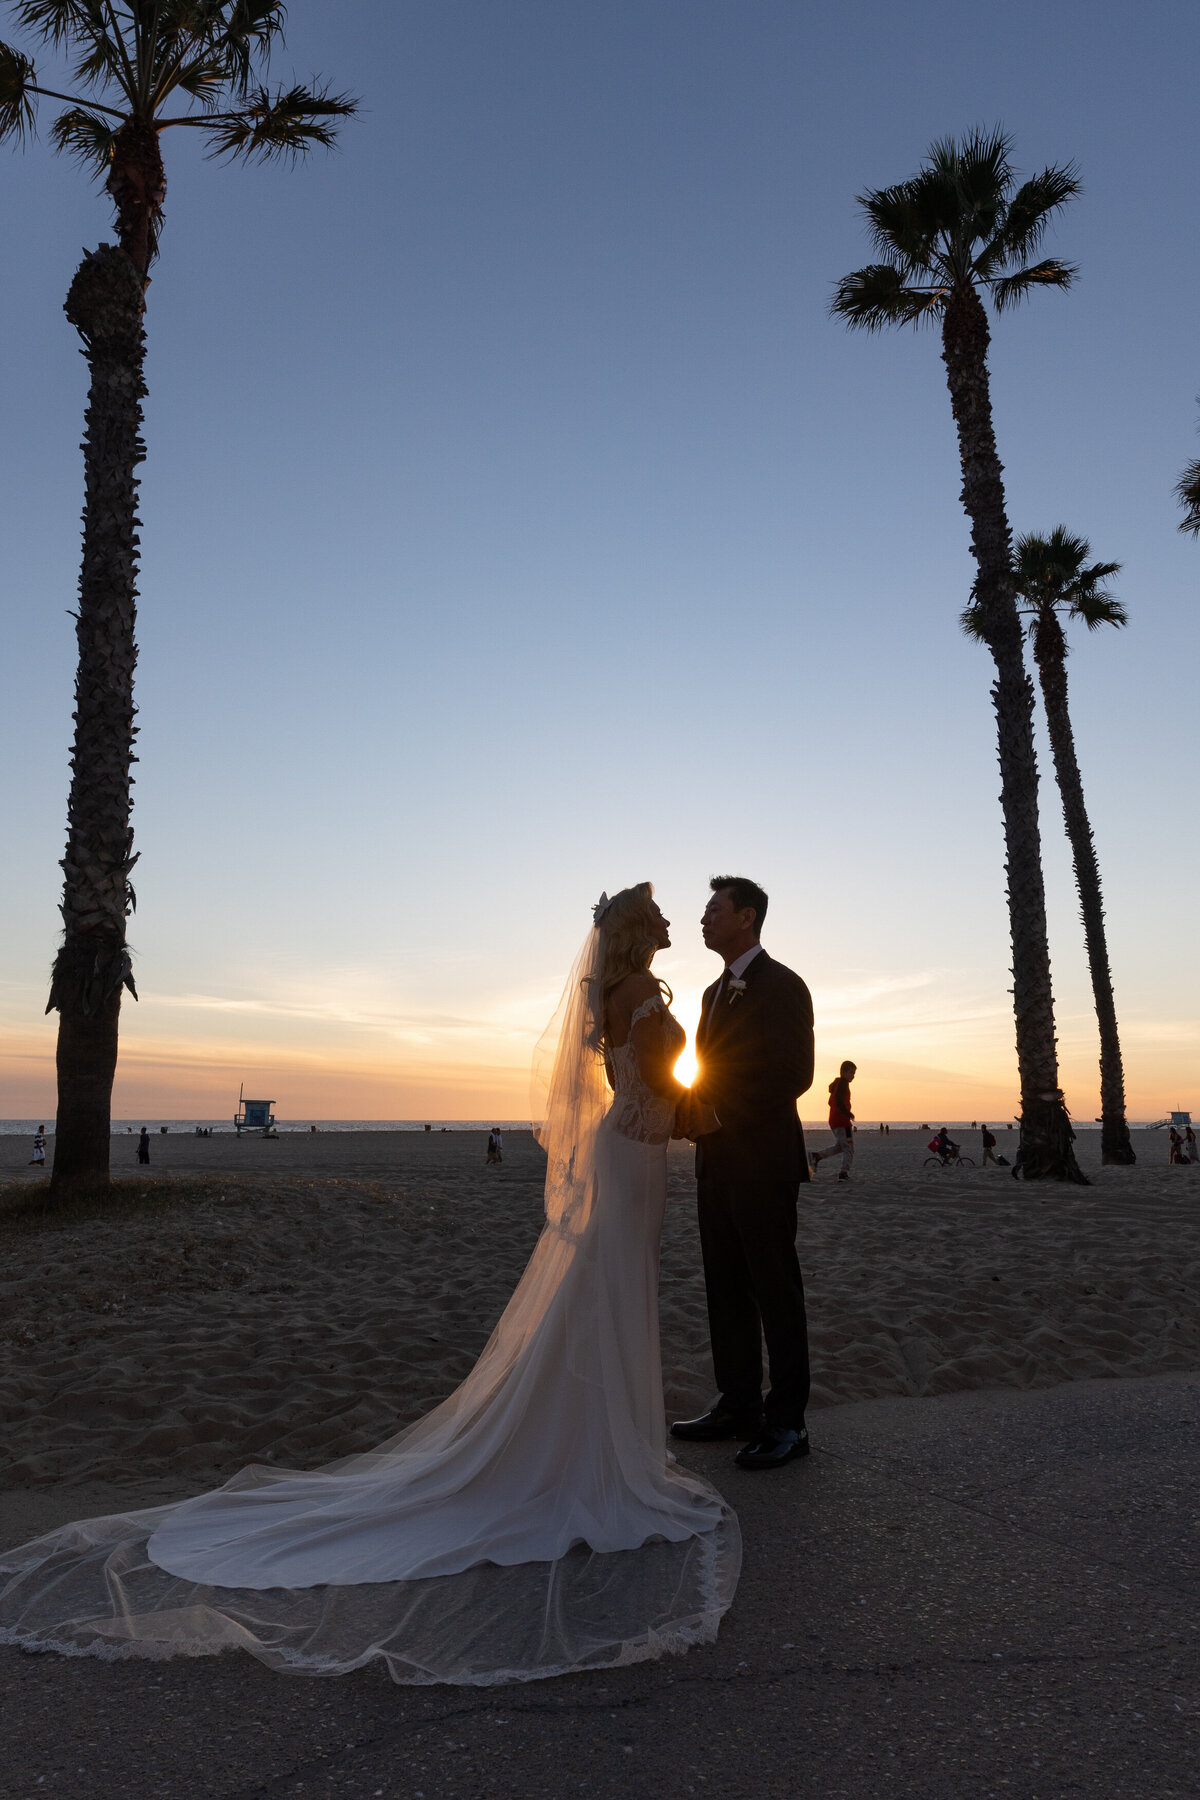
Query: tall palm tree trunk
105	304
1050	651
1046	1134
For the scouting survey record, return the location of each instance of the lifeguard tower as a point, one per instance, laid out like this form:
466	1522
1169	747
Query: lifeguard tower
254	1115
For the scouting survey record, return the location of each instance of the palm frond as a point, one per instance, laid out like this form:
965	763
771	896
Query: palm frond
85	137
1038	556
287	124
878	295
971	620
180	35
978	164
229	35
1010	290
1099	608
248	36
1187	492
1032	207
17	74
102	61
90	31
60	22
205	78
904	221
978	170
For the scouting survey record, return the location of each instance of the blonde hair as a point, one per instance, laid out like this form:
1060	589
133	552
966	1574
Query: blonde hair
627	947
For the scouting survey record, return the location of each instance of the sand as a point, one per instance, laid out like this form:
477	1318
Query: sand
298	1300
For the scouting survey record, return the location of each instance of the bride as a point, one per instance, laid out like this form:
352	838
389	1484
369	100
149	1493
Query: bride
533	1523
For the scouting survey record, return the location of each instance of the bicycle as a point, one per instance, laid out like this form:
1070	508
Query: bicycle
950	1161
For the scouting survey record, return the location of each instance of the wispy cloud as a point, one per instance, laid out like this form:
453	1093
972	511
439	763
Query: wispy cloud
937	999
515	1019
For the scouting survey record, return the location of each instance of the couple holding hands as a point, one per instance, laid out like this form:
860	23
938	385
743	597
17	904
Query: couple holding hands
754	1051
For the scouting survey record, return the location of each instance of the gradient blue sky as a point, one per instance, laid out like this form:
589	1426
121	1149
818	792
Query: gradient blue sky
517	523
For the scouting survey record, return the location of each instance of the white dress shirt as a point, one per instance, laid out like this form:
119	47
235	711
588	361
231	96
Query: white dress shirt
738	967
734	972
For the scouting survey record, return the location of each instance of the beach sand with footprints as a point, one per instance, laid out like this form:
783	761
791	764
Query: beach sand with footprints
298	1300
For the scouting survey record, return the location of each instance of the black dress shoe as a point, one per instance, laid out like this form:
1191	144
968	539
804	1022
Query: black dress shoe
776	1446
712	1426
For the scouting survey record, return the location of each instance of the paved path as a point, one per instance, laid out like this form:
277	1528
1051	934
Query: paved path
985	1597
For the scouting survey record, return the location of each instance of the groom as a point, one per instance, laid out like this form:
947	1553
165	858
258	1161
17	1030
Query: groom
754	1047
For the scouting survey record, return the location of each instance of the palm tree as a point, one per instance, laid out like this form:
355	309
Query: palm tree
960	227
1055	581
129	62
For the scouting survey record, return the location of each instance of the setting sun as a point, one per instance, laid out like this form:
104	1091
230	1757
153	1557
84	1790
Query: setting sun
685	1068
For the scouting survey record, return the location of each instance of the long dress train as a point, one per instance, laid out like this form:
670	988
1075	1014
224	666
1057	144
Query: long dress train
532	1524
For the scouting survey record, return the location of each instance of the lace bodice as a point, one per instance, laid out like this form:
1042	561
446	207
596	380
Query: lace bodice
637	1111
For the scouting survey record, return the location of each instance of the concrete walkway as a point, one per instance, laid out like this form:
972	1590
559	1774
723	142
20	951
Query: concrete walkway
989	1595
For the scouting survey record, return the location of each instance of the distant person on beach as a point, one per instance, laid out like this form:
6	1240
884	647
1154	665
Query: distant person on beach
841	1122
989	1148
1189	1144
495	1150
144	1146
1174	1147
39	1147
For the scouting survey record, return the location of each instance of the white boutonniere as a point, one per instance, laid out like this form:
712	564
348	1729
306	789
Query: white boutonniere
735	990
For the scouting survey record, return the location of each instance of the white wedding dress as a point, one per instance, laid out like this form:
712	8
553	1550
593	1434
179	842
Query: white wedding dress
532	1524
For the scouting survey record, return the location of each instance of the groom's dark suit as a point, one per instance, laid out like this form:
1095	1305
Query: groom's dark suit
755	1056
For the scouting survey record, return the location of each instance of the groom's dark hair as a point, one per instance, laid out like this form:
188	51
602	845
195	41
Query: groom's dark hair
743	893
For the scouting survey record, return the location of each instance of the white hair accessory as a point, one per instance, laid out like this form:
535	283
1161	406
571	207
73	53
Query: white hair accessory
601	907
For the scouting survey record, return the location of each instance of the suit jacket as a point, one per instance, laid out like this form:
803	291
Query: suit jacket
755	1057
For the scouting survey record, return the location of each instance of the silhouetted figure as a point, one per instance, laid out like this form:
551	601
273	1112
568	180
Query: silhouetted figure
943	1145
144	1146
841	1122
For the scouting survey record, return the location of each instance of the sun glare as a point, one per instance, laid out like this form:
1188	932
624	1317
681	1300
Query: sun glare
685	1068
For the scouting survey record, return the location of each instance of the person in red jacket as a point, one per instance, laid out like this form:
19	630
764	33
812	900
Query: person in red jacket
841	1122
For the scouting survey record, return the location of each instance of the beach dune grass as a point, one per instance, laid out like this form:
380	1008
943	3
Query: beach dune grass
29	1207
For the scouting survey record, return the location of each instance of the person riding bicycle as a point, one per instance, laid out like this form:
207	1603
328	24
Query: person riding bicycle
946	1147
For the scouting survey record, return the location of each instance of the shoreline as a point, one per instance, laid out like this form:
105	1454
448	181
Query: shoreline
123	1128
